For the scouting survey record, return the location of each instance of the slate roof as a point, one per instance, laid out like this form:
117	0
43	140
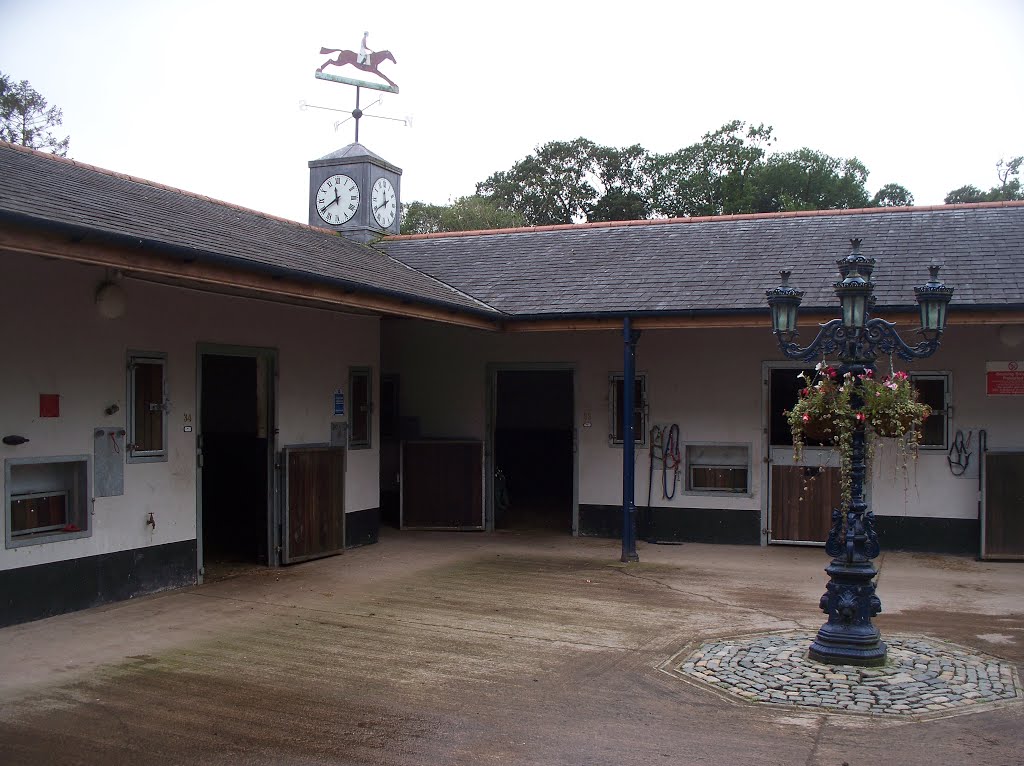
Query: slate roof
724	264
714	265
40	190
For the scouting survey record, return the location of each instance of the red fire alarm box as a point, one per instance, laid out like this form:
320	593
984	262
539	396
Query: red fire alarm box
49	405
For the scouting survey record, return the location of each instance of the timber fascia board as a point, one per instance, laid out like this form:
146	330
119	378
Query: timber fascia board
144	262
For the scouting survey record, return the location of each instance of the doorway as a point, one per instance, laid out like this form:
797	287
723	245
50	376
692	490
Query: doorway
534	449
802	495
235	460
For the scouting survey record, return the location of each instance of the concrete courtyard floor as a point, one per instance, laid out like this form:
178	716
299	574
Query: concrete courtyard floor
436	648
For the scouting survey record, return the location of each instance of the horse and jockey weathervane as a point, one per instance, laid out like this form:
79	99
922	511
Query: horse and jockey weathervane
365	60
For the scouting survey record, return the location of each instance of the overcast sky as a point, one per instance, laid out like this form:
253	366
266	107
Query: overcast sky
204	95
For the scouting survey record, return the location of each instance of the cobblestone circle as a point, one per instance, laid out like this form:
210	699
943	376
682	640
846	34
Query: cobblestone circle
921	677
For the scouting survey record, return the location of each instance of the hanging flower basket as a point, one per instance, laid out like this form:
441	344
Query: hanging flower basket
895	427
819	430
831	407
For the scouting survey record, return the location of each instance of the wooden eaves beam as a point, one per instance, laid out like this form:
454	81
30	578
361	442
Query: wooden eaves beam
147	263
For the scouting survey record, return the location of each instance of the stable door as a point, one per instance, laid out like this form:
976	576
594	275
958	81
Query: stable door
801	495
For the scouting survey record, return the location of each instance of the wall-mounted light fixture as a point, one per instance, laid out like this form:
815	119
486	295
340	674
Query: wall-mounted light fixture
110	300
1011	335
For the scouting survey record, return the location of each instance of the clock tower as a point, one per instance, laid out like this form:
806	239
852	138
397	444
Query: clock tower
355	192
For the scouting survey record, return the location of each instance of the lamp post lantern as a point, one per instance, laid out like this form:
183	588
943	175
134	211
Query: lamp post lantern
849	637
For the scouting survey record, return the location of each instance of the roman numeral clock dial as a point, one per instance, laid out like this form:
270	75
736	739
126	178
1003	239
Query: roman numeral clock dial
383	202
337	199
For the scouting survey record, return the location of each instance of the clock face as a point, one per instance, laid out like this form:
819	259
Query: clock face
385	206
337	199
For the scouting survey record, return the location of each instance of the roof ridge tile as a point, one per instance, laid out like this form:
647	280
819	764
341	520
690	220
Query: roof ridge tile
706	219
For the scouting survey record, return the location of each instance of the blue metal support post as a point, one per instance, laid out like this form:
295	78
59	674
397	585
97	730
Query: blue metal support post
628	442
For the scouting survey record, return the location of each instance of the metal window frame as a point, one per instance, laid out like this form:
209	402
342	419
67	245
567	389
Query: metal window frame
353	372
947	377
145	456
748	465
614	380
79	504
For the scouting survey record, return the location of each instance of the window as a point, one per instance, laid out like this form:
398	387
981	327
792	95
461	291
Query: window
616	394
46	499
361	404
147	407
933	390
718	468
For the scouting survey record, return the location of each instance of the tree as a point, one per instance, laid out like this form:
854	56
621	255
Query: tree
549	187
809	180
969	193
470	213
892	195
26	118
574	181
728	171
711	177
625	175
1009	186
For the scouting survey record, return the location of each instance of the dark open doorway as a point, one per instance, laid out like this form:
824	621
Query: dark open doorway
235	458
533	450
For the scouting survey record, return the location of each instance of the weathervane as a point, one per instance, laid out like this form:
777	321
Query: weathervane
365	60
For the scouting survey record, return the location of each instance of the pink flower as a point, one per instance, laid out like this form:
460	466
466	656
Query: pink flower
806	418
900	375
860	416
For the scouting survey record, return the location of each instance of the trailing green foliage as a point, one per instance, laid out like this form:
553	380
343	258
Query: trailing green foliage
830	408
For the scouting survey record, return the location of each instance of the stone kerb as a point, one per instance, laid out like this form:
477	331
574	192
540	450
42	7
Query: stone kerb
923	677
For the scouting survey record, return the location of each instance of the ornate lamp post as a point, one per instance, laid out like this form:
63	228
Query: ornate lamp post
856	339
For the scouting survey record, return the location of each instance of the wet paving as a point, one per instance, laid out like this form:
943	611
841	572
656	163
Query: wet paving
474	649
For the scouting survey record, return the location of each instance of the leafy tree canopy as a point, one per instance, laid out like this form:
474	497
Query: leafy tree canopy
1009	188
892	195
470	213
728	171
26	118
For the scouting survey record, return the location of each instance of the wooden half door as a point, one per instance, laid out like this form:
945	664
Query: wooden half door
801	495
442	484
1002	513
314	513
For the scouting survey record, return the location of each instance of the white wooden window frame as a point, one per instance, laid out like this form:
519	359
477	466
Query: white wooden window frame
615	380
947	414
151	455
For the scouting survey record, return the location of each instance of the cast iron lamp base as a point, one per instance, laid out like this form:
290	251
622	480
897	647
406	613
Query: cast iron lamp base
849	638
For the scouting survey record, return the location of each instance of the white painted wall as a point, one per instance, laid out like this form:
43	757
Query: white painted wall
695	379
55	342
931	489
707	381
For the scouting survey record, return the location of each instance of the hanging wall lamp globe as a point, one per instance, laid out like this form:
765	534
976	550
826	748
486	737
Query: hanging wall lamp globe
856	339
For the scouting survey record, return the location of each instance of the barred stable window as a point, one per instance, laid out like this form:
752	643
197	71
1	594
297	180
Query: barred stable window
616	394
933	389
360	382
718	468
46	499
147	407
